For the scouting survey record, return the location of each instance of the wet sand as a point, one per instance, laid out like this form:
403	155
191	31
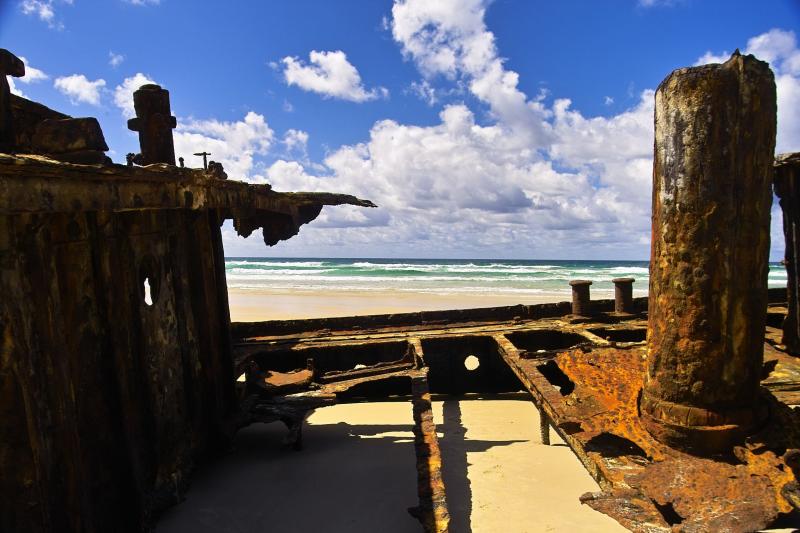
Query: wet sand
357	473
248	305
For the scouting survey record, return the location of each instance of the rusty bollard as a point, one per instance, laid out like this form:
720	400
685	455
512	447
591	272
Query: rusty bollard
714	143
623	296
581	301
155	123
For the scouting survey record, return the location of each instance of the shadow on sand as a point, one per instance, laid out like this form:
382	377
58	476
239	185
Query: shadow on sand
348	478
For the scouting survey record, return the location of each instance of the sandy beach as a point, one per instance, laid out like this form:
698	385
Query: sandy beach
357	473
249	305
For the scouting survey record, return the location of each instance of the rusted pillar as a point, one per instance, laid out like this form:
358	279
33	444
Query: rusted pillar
544	427
623	295
787	174
10	65
581	301
154	123
714	148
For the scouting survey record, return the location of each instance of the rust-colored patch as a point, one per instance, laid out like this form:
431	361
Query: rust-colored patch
432	510
648	485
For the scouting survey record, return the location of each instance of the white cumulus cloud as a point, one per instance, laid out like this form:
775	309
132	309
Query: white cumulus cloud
331	75
115	59
234	144
44	10
537	180
450	38
296	143
79	89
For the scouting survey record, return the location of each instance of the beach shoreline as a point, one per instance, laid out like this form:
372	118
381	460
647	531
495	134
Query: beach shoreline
262	289
252	305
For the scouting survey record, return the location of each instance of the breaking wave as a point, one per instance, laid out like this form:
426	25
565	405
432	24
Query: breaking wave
470	276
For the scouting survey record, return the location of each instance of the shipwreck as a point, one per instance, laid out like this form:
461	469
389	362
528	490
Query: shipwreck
119	363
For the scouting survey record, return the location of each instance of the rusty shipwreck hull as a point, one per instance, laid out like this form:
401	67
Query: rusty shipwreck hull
584	376
109	401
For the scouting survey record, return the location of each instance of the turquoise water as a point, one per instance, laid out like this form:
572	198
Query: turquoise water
441	276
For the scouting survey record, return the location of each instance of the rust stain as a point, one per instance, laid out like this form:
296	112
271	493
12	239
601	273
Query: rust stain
741	492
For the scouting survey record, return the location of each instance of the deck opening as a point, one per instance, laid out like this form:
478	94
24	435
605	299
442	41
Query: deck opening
545	339
557	378
621	335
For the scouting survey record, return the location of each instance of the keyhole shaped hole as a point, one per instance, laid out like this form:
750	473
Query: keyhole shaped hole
472	363
148	299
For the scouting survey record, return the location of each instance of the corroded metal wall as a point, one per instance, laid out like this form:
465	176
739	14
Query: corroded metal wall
105	401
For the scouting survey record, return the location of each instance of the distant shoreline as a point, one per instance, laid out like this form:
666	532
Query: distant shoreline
297	288
250	305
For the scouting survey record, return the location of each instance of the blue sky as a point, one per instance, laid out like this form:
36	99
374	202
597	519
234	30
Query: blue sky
504	129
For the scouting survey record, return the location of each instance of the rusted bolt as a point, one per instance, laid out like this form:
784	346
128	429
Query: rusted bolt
580	297
623	295
154	123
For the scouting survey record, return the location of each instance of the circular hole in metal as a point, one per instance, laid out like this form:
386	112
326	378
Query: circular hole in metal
472	363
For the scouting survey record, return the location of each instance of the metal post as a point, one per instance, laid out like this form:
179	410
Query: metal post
714	147
623	295
154	123
581	300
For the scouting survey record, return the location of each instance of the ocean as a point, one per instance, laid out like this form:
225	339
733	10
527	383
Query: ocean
441	276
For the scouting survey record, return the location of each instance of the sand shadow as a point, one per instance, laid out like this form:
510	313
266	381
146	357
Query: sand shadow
347	478
455	447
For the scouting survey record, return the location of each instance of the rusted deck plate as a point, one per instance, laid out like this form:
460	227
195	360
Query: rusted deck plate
647	486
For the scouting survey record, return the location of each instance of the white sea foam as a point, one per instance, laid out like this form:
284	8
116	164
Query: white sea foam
445	277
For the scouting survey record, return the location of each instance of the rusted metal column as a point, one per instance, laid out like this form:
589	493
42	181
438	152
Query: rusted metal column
623	295
154	123
581	301
787	174
714	147
544	427
10	65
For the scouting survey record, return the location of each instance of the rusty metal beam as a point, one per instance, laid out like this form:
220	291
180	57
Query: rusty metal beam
432	510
